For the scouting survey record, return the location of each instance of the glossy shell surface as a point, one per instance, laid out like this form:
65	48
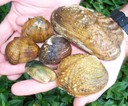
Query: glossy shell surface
54	50
40	72
90	30
81	75
21	50
37	28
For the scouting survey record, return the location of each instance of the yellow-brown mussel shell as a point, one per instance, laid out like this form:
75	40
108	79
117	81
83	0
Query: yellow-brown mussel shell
21	49
88	29
40	72
38	28
81	75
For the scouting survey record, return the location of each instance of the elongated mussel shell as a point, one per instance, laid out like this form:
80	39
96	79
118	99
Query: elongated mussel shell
40	72
81	75
21	50
54	50
90	30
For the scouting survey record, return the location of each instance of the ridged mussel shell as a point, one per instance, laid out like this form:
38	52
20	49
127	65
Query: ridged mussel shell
90	30
54	50
21	50
81	75
40	72
38	28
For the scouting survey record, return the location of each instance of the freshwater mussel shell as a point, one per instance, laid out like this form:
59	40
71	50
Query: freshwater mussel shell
54	50
88	29
40	72
21	50
38	28
81	75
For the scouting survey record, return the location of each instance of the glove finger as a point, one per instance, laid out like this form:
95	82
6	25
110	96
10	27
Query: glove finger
22	19
30	87
2	58
14	77
82	101
8	69
3	47
5	30
2	2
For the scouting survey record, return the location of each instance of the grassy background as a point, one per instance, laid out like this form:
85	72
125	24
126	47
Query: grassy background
117	95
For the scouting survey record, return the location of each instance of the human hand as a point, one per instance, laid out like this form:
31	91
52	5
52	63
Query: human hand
19	13
113	67
23	87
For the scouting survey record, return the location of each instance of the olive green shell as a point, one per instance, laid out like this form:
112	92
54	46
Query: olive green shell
81	75
40	72
90	30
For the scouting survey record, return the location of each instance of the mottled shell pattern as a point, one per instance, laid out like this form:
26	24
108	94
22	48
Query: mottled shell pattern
40	72
81	75
54	50
38	28
21	49
90	30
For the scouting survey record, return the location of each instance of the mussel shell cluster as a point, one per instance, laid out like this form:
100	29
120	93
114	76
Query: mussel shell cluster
25	49
78	74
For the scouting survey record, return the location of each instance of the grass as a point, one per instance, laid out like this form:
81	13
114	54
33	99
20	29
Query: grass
117	95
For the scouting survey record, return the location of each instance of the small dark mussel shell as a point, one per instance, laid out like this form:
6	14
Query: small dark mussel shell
40	72
54	50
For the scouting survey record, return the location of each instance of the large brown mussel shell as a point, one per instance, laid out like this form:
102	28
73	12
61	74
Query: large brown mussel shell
54	50
90	30
38	28
40	72
81	75
21	50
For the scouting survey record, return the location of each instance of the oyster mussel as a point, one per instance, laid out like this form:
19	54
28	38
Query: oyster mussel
90	30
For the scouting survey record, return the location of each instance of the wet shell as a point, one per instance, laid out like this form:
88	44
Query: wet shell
81	75
90	30
54	50
21	50
37	28
40	72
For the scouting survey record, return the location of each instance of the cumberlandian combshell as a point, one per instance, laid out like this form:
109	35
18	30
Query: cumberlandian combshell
81	75
90	30
40	72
